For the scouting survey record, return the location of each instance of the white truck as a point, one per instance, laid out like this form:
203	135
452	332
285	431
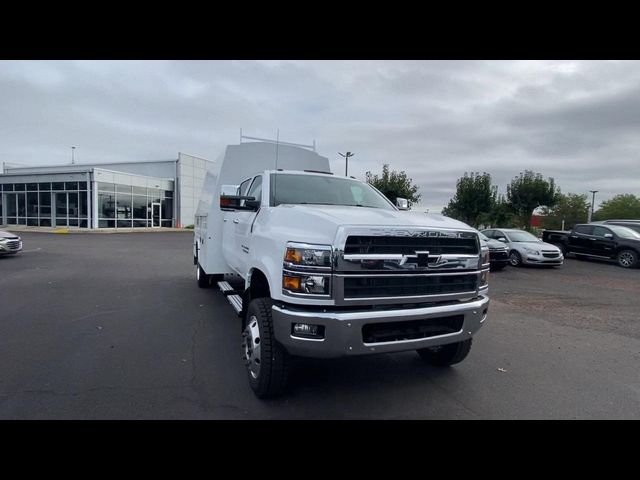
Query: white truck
327	266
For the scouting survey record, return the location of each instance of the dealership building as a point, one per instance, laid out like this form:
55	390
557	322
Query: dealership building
144	194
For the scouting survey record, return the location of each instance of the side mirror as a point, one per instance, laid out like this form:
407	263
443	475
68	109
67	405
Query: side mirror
608	235
502	239
234	202
402	203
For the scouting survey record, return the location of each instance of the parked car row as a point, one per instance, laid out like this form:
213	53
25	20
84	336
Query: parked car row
10	243
617	240
518	247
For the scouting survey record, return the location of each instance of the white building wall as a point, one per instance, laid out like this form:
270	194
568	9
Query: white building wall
191	174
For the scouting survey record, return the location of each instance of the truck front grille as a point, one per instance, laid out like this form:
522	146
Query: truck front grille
14	245
437	245
407	286
411	330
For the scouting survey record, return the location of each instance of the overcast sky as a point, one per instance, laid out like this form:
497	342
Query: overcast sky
577	121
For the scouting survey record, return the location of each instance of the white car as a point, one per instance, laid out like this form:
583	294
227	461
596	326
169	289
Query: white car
526	249
10	243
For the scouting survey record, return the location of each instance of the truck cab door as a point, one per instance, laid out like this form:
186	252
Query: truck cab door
243	225
579	239
230	247
604	243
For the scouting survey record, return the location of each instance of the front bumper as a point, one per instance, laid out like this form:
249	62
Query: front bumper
541	260
13	246
343	331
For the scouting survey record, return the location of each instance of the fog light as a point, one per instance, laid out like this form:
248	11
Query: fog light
307	330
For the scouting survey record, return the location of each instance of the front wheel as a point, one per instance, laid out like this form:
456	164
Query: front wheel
266	360
515	259
446	355
627	258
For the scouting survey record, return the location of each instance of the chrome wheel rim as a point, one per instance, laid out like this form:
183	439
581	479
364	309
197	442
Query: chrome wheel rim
626	259
513	259
251	347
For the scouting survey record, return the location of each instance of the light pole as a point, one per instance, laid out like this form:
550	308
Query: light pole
593	203
346	167
73	161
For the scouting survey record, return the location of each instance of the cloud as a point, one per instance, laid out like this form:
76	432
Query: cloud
571	120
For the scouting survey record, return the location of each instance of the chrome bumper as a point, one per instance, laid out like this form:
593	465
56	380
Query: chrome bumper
343	330
540	260
10	248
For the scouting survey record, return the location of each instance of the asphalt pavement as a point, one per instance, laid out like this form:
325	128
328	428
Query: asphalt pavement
114	327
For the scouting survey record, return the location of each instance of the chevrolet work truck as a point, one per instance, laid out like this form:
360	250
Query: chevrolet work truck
326	266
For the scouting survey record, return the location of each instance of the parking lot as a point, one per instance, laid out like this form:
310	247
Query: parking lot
113	326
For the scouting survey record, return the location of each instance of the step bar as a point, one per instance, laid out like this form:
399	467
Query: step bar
234	299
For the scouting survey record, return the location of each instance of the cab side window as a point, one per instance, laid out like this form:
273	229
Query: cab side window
600	231
256	189
583	229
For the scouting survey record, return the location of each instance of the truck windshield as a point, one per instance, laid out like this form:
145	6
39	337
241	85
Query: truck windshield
624	232
324	190
521	236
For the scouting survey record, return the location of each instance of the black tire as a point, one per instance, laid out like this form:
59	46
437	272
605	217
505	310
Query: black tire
562	248
204	280
627	258
515	259
446	355
272	374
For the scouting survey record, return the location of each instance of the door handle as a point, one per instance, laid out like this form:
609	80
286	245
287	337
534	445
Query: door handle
235	220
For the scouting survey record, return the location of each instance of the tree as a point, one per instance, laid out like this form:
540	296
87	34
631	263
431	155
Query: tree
528	191
624	206
475	198
394	185
501	215
570	208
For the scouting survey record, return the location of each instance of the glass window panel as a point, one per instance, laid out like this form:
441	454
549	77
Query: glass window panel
106	187
32	187
167	208
124	205
71	185
45	204
168	194
83	224
19	187
45	222
140	207
12	221
12	206
22	221
106	205
166	223
140	191
22	205
140	223
124	223
1	210
32	222
32	204
154	195
82	185
123	188
7	187
61	208
73	205
44	186
73	222
84	205
106	223
57	186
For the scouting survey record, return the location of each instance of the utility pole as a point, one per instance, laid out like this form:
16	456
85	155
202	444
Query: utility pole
73	161
593	203
346	167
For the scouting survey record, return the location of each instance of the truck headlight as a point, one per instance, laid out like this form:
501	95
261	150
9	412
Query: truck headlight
484	278
306	283
303	255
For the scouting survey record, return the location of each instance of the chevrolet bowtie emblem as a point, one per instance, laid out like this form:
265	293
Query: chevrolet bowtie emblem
420	258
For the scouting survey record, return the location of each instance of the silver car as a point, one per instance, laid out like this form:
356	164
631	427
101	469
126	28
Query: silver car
10	243
525	249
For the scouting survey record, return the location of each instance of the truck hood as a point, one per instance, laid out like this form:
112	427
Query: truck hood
7	235
319	223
